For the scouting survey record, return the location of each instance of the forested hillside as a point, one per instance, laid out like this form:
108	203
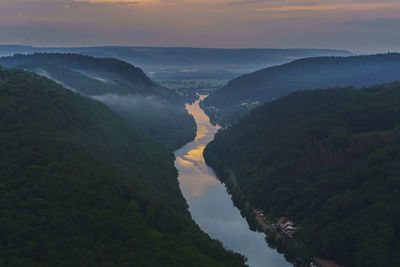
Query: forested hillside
241	95
163	58
330	161
114	69
79	186
153	109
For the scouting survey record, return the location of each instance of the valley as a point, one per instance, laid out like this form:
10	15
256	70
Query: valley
211	205
199	133
249	205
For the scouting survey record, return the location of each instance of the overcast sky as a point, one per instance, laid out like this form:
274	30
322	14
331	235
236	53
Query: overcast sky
357	25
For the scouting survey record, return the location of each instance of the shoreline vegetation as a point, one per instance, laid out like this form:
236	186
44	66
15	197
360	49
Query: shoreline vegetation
294	251
326	159
80	186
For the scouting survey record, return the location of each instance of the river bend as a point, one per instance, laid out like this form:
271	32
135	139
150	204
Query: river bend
210	204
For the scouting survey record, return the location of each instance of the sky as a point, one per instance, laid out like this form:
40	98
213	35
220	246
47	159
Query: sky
364	26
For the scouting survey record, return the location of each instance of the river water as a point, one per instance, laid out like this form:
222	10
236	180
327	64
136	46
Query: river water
210	204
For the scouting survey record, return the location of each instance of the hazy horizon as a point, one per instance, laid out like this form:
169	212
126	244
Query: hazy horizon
359	52
366	26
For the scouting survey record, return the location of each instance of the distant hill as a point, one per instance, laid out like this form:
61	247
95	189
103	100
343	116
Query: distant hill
121	73
183	56
209	56
154	109
79	186
327	159
240	95
165	63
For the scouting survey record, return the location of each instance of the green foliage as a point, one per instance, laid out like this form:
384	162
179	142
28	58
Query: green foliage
153	109
106	66
316	72
329	160
80	186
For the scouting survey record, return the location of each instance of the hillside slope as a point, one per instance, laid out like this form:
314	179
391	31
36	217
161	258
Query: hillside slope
187	69
79	186
240	95
327	159
153	109
157	58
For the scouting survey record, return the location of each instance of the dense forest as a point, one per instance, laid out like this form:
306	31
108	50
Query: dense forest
330	161
241	95
153	109
79	186
114	69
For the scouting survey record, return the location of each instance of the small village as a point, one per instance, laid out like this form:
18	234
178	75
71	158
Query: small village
286	227
283	225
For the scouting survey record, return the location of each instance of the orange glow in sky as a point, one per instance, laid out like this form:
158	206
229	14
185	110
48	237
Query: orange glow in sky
342	24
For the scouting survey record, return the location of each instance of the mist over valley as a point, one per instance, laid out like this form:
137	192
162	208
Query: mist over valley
200	133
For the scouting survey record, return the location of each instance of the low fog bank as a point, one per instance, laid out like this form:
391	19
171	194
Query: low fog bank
138	103
44	73
168	123
96	76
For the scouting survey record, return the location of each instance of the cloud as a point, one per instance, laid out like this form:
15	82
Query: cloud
124	2
109	2
106	1
246	2
171	1
206	23
346	6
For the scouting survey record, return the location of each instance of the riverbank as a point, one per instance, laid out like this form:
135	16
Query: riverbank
210	204
273	235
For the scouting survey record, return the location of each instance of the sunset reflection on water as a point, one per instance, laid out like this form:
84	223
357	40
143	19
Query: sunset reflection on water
209	203
195	176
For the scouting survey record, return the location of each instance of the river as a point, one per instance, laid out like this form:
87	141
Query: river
210	204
